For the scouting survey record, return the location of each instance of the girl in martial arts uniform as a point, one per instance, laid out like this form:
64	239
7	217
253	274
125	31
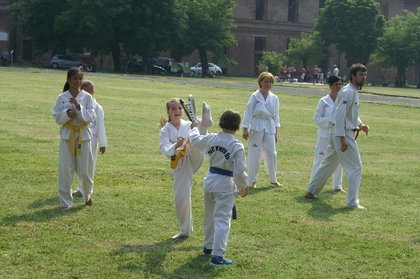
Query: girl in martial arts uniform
185	161
74	111
226	175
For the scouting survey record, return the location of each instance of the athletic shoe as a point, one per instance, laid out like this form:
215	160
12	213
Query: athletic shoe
277	184
206	251
216	261
179	235
206	119
309	196
340	190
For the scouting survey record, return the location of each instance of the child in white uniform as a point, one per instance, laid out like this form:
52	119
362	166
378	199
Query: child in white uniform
185	161
322	119
226	175
74	111
99	141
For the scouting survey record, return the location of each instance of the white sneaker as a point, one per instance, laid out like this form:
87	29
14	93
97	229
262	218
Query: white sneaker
206	119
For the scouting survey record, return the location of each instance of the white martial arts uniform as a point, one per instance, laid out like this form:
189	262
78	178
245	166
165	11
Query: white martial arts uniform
345	120
262	118
322	117
99	139
183	173
226	176
69	161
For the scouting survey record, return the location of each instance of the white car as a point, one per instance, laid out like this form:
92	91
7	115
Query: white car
213	68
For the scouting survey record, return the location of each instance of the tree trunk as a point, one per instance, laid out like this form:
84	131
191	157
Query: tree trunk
204	62
115	51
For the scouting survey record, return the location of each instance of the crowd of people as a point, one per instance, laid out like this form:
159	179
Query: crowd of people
315	75
186	142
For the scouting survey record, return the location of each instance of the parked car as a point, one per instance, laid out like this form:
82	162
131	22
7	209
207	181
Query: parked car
64	61
213	68
164	62
135	65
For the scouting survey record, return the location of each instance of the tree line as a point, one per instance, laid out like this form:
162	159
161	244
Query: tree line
126	28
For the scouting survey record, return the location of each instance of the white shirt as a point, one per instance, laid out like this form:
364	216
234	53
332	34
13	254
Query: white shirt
336	71
86	114
225	152
346	110
262	114
323	114
98	126
169	135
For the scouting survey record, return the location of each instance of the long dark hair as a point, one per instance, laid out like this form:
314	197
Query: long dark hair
70	73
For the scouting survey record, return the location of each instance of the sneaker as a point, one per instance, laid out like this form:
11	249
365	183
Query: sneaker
206	119
277	184
206	251
215	261
340	190
310	196
179	235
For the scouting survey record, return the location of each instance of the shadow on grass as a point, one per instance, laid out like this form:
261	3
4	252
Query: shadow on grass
263	188
43	202
41	215
151	261
322	210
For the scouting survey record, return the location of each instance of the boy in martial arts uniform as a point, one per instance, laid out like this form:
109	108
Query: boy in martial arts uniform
226	175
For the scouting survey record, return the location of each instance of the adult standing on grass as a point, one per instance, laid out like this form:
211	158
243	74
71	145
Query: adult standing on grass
74	111
99	141
185	161
226	176
343	148
322	119
260	126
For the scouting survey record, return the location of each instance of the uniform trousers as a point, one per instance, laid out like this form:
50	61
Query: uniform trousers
218	212
262	143
95	149
349	160
69	163
183	182
320	151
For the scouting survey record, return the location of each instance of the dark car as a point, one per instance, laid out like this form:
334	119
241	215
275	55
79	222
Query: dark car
64	61
164	62
136	66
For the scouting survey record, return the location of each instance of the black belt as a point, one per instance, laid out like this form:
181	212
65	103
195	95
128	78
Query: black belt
221	171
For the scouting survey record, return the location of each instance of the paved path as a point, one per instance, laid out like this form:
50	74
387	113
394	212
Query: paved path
319	92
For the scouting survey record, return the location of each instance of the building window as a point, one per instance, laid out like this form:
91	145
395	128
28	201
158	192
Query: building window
293	11
259	48
384	8
260	8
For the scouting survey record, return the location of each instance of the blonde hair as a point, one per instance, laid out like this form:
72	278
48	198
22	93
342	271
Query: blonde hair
163	120
264	75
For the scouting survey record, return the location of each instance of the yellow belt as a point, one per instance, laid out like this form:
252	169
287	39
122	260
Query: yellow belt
73	130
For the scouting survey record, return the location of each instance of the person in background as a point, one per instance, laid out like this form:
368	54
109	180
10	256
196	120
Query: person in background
260	127
74	110
322	119
225	177
99	141
185	161
343	148
336	71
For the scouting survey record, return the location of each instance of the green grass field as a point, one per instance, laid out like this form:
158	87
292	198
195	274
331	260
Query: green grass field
126	233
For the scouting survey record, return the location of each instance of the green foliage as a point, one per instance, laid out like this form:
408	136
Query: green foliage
270	61
399	46
308	50
209	25
126	233
353	26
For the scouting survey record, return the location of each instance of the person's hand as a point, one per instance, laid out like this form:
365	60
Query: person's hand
344	144
102	150
179	143
245	133
364	128
71	113
244	192
75	102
